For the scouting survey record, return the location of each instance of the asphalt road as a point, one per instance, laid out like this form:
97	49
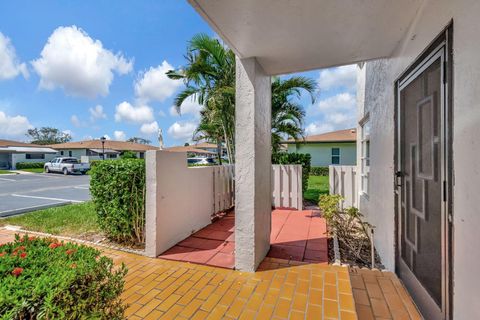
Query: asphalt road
29	192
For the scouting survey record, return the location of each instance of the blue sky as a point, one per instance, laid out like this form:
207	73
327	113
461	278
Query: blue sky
96	68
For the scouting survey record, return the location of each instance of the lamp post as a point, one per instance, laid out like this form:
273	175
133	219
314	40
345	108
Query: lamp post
103	147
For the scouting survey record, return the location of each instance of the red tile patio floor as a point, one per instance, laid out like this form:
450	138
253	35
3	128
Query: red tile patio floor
295	236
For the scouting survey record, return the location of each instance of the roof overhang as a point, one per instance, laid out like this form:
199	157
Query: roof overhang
292	36
27	150
106	151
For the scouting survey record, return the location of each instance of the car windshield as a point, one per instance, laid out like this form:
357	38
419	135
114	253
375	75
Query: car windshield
210	160
193	161
70	161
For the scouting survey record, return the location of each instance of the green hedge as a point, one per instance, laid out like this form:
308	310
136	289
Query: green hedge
118	193
295	158
29	165
42	278
319	171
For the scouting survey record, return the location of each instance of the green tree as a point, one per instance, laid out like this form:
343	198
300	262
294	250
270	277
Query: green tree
287	112
48	135
209	78
139	140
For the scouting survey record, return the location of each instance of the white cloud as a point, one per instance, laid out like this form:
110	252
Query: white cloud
189	106
10	67
87	137
69	132
107	137
149	128
134	114
78	64
182	130
317	128
119	135
341	77
341	101
13	126
97	113
75	121
154	85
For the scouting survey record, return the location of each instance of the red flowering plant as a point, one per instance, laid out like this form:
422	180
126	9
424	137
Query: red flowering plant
42	277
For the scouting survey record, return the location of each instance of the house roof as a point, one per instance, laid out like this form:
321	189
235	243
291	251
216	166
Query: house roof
346	135
11	143
206	145
22	147
191	149
109	144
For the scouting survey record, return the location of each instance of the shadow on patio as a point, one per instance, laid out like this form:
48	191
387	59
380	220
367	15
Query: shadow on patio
296	236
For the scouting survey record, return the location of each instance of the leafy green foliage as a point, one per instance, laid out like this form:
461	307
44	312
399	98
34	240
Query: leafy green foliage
295	158
29	165
347	225
139	140
319	171
48	135
118	192
128	155
47	279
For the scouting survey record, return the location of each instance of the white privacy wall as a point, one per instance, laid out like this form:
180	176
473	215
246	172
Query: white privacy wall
379	99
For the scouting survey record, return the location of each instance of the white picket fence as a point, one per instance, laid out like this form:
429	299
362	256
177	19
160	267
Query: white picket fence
287	186
343	181
223	188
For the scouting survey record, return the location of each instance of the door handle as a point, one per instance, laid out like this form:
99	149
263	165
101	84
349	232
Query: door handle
398	179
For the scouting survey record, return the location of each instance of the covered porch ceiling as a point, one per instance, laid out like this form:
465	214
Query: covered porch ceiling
291	36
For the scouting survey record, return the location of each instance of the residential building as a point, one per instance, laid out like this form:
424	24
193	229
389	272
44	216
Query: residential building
13	152
95	149
192	150
330	148
419	127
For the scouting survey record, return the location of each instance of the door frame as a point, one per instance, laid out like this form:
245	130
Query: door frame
442	45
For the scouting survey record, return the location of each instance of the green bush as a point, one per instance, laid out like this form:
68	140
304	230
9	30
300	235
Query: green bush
47	279
319	171
118	193
295	158
128	155
29	165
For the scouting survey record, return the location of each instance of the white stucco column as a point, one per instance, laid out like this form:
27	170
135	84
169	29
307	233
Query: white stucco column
152	219
253	202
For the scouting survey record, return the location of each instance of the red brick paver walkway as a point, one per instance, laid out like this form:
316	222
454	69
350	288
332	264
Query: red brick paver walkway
296	235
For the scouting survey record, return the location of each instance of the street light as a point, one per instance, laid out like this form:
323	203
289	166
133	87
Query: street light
103	147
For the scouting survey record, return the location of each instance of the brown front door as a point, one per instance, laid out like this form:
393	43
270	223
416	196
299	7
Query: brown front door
422	182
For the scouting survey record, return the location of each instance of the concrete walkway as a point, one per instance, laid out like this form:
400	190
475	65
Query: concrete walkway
281	289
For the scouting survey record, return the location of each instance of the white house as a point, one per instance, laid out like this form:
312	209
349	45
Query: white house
13	152
420	118
330	148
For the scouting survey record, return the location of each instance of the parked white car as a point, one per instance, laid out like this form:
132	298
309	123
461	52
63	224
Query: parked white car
66	165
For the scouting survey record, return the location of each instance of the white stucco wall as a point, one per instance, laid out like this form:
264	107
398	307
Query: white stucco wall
379	99
21	157
321	153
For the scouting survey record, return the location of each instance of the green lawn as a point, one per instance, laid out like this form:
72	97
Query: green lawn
35	170
317	185
69	220
5	172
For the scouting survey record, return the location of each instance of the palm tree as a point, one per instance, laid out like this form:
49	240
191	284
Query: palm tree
288	114
209	78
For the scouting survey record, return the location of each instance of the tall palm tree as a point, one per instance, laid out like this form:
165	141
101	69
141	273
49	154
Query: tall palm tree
287	112
209	78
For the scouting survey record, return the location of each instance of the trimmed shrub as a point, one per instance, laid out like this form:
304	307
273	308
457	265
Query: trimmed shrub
29	165
295	158
118	193
47	279
319	171
128	155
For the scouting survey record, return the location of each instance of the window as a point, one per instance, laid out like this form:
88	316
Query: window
61	153
365	156
70	153
335	155
111	156
34	156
